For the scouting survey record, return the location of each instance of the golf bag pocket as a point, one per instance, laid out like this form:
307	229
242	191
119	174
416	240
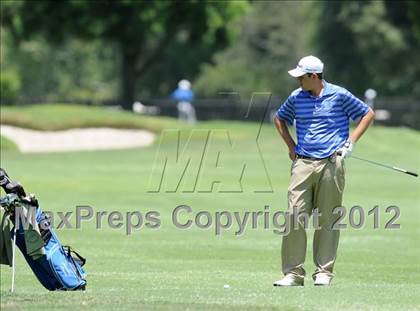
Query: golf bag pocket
68	272
56	269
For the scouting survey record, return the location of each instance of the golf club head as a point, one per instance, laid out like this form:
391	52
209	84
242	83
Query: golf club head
10	186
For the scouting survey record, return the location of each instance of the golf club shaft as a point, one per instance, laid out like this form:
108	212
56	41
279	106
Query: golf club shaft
12	289
387	166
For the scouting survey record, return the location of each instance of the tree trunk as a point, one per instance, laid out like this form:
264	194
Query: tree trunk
128	77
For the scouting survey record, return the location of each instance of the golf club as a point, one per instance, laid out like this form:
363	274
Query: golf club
387	166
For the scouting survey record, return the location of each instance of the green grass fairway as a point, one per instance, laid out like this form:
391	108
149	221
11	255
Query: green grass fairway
173	269
7	144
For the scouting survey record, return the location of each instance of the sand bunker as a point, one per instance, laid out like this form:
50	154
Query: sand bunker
76	139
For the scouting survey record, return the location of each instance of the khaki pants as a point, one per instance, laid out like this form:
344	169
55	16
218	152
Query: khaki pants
314	184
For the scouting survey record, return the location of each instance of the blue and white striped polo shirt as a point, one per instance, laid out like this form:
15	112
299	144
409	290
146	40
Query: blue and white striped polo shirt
322	123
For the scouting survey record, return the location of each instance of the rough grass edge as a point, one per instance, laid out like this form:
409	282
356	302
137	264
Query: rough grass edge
7	145
53	117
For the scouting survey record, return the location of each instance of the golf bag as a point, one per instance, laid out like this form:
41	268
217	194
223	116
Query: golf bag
57	267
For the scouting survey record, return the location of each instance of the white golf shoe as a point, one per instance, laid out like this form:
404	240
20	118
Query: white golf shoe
289	280
322	279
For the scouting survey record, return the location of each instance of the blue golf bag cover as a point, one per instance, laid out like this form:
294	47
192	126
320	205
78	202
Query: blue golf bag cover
57	269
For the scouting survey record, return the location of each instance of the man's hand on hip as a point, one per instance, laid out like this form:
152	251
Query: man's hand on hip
346	150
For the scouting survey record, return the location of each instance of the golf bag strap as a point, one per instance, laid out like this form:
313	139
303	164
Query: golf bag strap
70	251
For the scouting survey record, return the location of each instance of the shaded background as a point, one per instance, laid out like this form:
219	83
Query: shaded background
118	52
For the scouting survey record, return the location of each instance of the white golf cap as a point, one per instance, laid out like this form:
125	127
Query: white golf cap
184	85
308	64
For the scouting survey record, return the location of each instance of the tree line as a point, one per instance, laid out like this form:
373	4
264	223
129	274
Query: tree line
130	50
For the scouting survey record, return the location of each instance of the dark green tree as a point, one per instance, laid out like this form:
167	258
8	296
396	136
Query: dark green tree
143	30
369	44
273	36
414	13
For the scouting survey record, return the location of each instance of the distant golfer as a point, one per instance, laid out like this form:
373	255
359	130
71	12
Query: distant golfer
321	111
184	96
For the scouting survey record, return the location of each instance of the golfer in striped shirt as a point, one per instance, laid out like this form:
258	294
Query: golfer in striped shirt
321	113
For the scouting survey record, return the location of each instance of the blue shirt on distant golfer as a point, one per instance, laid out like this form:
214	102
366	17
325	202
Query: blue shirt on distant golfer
182	95
322	123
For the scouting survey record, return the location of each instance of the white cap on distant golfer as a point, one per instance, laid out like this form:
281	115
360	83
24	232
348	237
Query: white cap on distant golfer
308	64
184	84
